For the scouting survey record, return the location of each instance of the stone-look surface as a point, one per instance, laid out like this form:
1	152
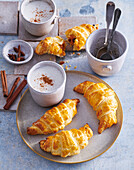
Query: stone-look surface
14	153
24	35
24	68
10	80
8	17
66	23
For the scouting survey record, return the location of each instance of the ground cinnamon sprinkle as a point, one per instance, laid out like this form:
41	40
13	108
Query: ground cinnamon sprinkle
46	80
41	84
39	15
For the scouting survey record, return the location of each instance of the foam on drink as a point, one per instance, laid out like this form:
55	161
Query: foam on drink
46	79
37	11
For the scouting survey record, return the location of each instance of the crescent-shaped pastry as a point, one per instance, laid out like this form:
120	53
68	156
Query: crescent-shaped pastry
55	119
67	143
78	35
103	101
51	45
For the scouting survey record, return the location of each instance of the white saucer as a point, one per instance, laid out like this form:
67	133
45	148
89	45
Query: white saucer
25	47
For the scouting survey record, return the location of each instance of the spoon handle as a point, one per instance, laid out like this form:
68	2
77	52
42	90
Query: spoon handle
116	18
117	15
109	14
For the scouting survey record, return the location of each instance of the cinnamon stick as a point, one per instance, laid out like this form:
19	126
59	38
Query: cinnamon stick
4	83
19	51
16	50
13	88
22	53
15	94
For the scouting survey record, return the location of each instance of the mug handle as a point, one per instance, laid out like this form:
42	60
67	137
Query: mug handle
54	21
107	68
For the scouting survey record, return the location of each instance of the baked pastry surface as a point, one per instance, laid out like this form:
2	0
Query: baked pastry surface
55	119
51	45
78	35
103	101
67	143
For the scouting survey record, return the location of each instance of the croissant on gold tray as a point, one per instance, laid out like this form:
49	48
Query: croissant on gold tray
51	45
103	101
67	143
55	119
78	35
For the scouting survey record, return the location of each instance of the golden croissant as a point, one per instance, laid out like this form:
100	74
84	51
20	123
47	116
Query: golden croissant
67	143
103	101
51	45
78	35
55	119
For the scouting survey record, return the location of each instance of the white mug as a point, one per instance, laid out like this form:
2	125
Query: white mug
105	67
43	98
38	29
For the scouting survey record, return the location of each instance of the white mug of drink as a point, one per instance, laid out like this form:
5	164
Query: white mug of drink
46	81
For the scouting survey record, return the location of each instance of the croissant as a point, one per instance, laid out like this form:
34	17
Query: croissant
103	101
55	119
67	143
51	45
78	35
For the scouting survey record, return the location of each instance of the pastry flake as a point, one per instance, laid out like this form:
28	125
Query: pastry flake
51	45
55	119
67	143
78	35
103	101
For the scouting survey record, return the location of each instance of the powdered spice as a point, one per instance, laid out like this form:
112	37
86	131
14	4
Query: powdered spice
46	80
40	14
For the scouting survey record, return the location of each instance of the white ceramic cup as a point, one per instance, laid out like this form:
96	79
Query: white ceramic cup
46	99
106	67
38	29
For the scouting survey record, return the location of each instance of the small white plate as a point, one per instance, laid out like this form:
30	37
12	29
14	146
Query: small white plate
25	47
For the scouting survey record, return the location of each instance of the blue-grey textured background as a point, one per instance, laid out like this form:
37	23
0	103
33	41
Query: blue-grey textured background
14	153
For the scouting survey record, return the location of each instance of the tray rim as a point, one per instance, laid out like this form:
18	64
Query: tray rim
76	72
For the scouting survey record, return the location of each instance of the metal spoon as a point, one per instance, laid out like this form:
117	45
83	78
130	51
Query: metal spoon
109	14
108	54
